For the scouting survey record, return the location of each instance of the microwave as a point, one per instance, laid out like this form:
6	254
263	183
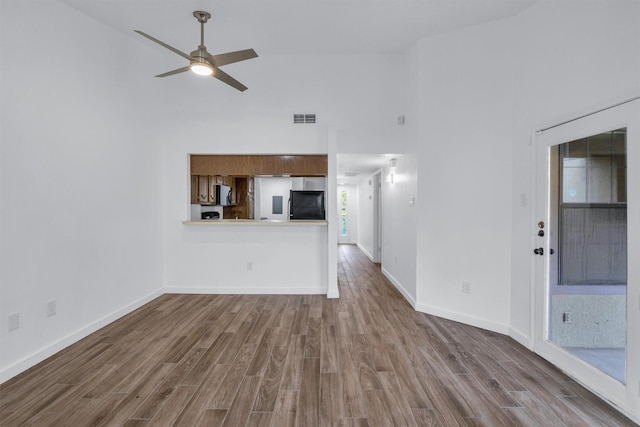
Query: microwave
223	195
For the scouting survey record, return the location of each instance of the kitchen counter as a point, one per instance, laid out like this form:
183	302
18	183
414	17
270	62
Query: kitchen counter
219	222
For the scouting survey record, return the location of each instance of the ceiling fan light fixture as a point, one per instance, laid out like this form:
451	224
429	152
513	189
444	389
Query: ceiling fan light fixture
201	69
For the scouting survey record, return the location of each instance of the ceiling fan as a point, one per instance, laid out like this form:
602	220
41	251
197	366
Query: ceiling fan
202	62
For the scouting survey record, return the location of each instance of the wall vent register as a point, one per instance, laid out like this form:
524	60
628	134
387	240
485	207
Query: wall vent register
304	118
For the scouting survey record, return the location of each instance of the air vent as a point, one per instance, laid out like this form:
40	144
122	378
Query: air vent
351	174
304	118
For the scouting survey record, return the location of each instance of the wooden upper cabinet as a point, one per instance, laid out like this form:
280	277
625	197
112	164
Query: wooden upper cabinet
197	164
228	165
266	165
310	165
250	165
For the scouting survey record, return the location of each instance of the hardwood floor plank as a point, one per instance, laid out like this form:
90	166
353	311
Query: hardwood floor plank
240	409
378	413
332	411
204	364
259	419
145	390
261	357
351	391
33	406
312	345
230	351
196	407
308	413
292	369
531	411
328	349
211	418
230	384
270	385
173	406
284	411
367	375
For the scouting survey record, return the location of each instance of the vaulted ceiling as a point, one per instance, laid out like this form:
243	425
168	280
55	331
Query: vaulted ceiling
297	27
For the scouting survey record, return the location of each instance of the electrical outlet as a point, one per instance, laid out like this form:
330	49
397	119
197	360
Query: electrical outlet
249	265
51	308
14	321
567	317
466	287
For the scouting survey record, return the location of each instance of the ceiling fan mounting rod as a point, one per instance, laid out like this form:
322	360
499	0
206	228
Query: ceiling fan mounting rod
202	18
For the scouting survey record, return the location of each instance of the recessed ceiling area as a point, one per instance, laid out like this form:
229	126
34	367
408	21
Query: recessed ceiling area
297	27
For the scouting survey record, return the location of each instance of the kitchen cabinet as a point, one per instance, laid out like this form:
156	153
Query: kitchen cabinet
310	165
203	189
266	164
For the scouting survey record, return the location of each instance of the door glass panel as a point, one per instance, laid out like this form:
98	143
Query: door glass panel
343	214
588	277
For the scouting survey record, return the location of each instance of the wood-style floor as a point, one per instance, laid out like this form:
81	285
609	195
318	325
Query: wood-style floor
365	359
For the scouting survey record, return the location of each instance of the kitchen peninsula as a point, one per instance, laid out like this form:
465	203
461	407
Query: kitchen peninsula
262	251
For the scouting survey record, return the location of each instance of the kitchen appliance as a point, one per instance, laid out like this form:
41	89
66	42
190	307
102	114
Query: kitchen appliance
210	215
223	195
306	204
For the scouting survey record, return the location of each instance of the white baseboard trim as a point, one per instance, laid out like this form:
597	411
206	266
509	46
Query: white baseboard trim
399	287
246	291
48	351
333	294
464	318
520	337
364	251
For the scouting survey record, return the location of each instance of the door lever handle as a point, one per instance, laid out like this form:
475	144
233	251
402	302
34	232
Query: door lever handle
538	251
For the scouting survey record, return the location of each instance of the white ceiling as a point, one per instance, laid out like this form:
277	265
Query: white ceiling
297	27
300	26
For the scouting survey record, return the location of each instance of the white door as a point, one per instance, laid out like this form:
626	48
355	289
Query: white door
586	252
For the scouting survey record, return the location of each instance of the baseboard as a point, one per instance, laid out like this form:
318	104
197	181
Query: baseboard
48	351
364	251
400	288
520	337
464	318
246	291
333	294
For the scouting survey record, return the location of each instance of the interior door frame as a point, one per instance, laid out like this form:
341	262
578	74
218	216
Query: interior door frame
625	396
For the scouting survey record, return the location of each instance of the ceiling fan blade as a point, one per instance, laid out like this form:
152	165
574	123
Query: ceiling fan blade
163	44
231	57
178	71
222	76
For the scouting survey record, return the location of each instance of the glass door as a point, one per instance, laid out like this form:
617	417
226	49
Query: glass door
583	240
588	229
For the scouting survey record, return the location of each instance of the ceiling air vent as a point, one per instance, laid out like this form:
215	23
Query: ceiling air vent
304	118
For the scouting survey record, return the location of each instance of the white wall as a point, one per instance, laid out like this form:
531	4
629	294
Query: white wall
463	141
80	187
399	221
365	208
